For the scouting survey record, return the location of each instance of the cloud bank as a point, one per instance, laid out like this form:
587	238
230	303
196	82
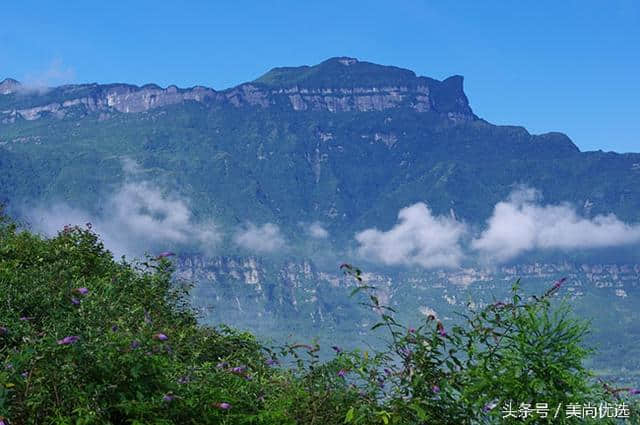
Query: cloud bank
517	225
138	216
263	239
520	224
317	231
418	239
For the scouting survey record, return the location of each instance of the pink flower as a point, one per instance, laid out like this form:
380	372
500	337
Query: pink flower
68	340
160	337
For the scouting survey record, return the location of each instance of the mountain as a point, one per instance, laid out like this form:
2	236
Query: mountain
288	168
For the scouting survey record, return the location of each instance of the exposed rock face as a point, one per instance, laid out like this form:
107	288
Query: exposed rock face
392	88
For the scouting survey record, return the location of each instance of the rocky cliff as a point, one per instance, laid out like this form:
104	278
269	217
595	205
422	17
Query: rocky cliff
303	89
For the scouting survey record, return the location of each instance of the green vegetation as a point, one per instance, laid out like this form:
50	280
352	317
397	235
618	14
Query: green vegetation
86	340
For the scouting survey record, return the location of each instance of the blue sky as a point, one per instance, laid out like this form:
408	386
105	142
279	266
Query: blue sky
569	66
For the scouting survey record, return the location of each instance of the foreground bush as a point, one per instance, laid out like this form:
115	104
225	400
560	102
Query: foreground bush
86	340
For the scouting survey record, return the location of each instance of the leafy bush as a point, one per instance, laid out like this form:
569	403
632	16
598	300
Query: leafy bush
87	340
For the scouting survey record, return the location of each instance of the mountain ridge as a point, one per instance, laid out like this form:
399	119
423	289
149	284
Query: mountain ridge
360	87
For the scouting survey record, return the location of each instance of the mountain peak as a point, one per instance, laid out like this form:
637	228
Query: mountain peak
339	71
9	85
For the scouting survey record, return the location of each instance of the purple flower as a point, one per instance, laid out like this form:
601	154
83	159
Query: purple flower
135	344
342	373
634	391
222	365
441	330
435	389
489	406
168	397
223	406
81	291
165	254
271	362
238	370
8	366
559	283
160	337
2	422
412	330
75	301
68	340
336	349
24	374
25	318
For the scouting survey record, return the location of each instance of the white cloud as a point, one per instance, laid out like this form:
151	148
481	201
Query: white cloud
138	216
266	238
520	224
418	238
56	74
317	231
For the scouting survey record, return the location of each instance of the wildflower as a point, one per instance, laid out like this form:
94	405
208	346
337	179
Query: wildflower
75	301
135	344
271	362
2	422
81	291
412	330
498	304
435	389
337	349
68	340
489	406
407	352
24	374
559	283
222	365
168	397
114	328
184	380
165	254
248	377
387	371
441	330
237	370
634	391
342	373
223	406
160	337
8	366
25	318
